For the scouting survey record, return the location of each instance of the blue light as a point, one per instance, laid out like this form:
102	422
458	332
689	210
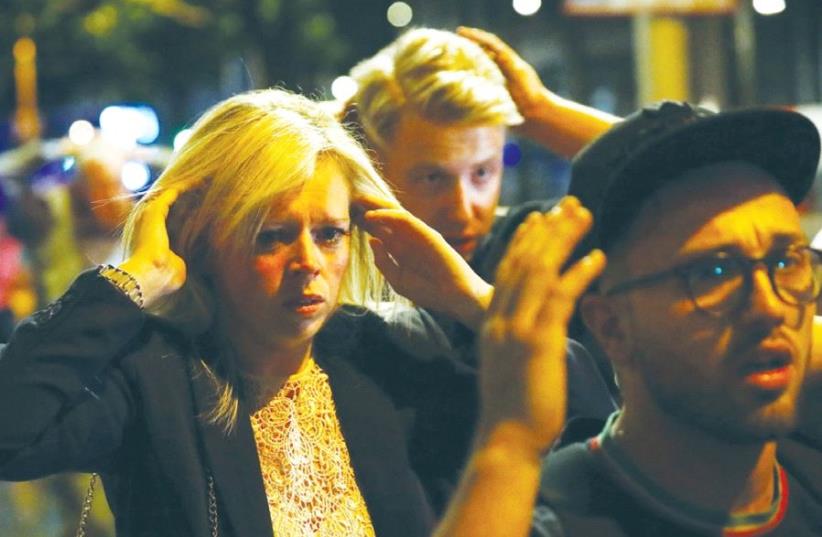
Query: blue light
511	154
68	163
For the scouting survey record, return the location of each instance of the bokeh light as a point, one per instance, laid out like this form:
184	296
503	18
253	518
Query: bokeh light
128	125
81	132
399	14
181	138
135	175
527	7
343	88
68	164
769	7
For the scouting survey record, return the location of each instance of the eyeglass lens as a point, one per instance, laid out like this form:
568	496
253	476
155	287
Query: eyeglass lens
721	283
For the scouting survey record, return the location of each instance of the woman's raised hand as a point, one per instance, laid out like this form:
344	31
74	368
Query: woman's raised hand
523	339
420	265
157	269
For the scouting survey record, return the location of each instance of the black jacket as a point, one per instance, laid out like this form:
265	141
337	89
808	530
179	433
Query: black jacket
93	384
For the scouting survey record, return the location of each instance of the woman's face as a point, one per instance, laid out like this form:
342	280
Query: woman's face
289	287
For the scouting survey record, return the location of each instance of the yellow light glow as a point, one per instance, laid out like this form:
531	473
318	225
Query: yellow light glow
24	50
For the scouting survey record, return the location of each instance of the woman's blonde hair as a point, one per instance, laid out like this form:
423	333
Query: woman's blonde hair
243	154
435	73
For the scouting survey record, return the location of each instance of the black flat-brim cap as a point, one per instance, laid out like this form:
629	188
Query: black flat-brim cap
616	173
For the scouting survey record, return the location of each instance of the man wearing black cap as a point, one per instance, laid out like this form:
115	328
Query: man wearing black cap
705	311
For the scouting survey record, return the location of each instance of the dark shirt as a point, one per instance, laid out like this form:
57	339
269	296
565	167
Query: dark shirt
592	489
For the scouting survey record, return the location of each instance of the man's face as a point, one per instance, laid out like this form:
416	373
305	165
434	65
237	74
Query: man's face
736	375
449	176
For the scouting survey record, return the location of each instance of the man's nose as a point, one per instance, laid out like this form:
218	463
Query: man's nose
460	206
765	301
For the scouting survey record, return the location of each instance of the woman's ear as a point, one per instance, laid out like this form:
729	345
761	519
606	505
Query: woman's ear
607	322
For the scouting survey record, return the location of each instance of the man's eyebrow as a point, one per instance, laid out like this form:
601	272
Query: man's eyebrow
427	167
493	159
778	241
789	239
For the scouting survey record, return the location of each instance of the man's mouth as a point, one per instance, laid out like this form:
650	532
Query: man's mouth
463	244
771	370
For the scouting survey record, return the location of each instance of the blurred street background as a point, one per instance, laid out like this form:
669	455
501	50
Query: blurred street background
103	90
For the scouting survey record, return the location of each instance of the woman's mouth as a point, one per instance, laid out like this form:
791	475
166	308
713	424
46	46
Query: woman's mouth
305	304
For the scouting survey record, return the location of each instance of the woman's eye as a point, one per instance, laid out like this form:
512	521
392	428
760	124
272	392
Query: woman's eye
331	235
270	237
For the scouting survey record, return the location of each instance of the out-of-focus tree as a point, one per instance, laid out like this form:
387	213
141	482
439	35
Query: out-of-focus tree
166	51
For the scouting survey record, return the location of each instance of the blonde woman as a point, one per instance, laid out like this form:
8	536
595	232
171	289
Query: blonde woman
225	379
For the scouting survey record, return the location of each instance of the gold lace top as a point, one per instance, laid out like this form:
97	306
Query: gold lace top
306	467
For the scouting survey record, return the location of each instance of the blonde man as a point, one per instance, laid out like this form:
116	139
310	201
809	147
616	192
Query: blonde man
435	107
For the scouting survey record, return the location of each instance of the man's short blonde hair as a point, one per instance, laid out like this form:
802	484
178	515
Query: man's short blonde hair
436	74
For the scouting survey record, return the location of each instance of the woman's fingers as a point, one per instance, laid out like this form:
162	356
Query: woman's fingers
400	229
152	262
151	229
385	263
383	222
369	202
159	205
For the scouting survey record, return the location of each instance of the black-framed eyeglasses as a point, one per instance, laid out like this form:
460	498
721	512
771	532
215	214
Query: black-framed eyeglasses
722	282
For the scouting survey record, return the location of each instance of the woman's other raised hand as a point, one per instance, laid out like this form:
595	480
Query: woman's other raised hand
419	263
157	269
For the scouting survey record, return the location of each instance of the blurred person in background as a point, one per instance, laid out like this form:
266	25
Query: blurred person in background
60	222
68	204
17	297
